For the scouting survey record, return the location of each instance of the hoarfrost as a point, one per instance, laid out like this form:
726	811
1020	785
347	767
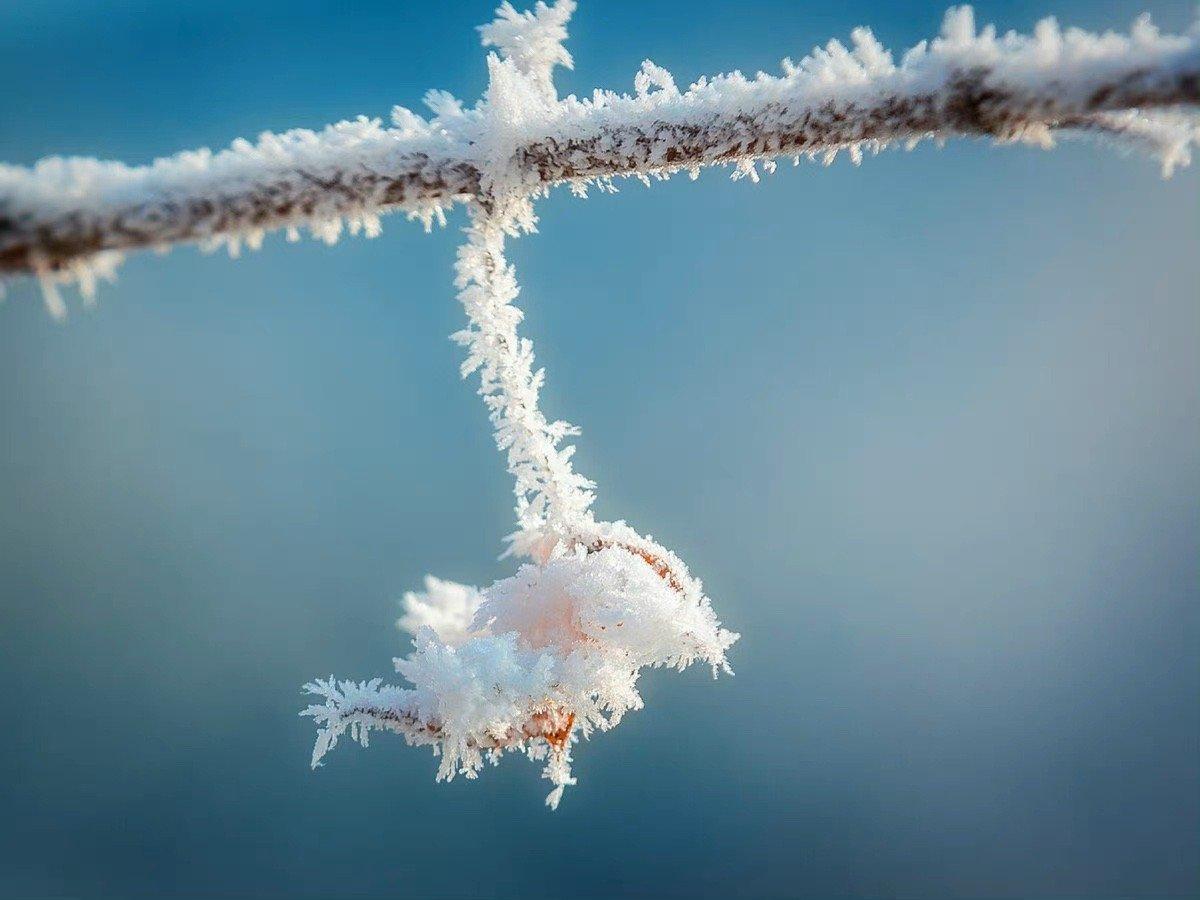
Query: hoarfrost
553	653
1138	90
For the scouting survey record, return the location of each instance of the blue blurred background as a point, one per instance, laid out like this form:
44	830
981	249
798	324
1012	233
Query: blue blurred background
928	429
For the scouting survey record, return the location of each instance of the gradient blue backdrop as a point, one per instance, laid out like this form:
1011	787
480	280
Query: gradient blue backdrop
928	429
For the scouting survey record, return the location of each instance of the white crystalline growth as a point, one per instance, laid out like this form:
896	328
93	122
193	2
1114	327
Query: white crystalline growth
532	40
860	98
445	607
555	651
84	272
1138	91
552	653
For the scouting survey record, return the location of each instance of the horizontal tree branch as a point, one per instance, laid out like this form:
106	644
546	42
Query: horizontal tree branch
967	105
58	214
166	203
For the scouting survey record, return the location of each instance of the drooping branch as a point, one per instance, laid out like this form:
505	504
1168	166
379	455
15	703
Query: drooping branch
61	212
551	495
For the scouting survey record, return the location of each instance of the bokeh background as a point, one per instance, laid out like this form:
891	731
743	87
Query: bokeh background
928	429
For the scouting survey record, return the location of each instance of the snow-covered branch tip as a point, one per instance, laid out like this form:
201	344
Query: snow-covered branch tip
61	214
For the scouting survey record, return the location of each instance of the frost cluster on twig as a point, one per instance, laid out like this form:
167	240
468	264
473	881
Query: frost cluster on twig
534	661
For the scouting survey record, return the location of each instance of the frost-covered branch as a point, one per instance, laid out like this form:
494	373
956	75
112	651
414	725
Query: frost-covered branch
535	661
966	82
65	210
554	653
550	494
